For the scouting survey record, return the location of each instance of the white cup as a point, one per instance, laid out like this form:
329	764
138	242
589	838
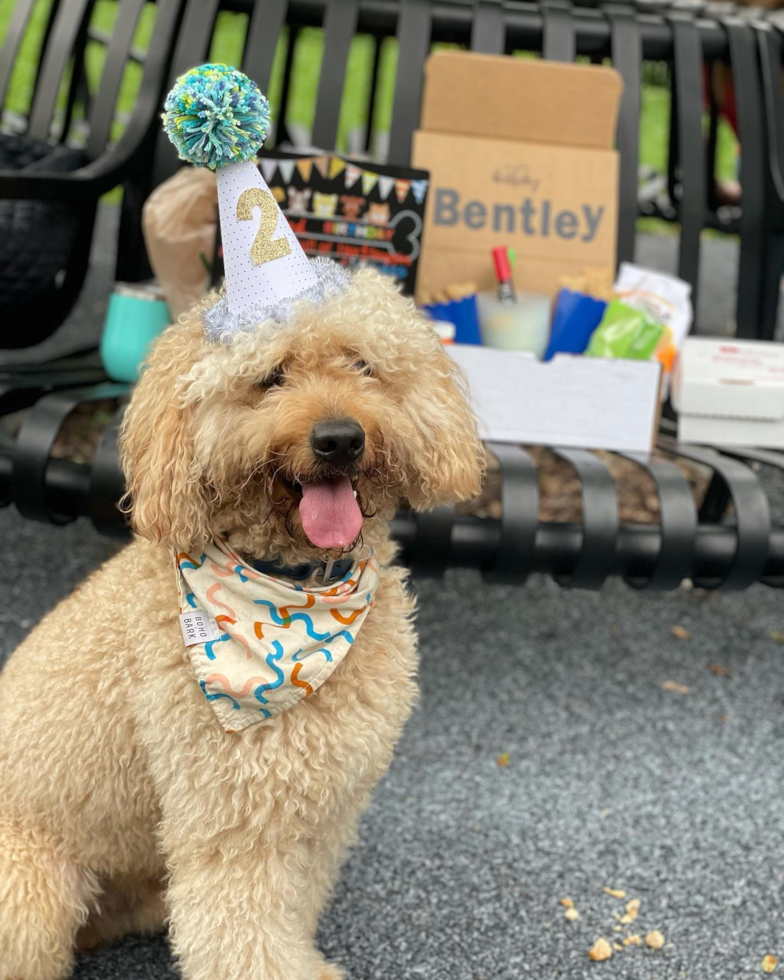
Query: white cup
523	325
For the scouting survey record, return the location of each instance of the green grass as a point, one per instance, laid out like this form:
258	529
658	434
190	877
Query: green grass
227	47
655	135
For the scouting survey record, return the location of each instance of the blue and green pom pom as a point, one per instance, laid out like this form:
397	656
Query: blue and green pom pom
215	115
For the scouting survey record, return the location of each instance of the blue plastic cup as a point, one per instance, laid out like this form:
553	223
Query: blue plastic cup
135	317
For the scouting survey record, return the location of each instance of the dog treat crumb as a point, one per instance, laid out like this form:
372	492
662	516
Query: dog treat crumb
503	760
618	928
614	892
769	963
675	687
719	671
632	911
572	915
567	903
634	940
681	632
617	947
600	951
654	939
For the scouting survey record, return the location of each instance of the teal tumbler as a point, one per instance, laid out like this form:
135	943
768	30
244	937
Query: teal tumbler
137	314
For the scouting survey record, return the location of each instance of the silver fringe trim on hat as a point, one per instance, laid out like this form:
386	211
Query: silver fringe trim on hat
221	325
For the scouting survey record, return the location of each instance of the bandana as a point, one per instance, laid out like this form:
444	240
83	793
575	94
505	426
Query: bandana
258	643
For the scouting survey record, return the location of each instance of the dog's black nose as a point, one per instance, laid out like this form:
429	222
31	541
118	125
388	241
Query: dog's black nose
338	441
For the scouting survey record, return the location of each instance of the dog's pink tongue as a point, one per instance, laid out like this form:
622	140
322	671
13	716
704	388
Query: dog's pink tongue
330	514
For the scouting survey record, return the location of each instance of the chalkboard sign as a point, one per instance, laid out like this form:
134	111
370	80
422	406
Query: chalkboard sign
350	211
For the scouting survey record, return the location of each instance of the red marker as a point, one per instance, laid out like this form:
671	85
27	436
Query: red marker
503	271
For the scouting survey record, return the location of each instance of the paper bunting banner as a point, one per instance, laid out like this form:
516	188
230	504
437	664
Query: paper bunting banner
353	174
369	181
385	185
401	189
286	167
336	167
305	167
268	168
322	165
419	187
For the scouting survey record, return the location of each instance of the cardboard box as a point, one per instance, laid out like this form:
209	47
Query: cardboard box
730	393
520	154
576	401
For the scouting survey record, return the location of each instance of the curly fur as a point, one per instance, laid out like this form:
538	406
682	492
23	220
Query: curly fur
123	804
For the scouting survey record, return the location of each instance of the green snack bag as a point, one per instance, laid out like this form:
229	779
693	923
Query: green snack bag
645	341
623	332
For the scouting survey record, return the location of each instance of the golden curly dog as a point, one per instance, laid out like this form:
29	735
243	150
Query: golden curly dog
123	803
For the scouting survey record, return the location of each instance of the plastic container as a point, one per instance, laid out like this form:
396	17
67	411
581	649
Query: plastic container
137	313
524	325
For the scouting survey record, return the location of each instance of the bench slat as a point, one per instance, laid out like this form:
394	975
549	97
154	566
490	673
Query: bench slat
432	548
600	521
751	510
627	59
688	143
559	42
340	24
745	77
264	30
65	30
13	40
488	31
193	45
519	515
413	35
117	54
33	447
678	523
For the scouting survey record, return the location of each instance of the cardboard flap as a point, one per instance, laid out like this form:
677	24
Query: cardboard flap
517	99
733	400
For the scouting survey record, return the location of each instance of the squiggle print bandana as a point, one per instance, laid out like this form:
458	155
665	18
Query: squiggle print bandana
259	644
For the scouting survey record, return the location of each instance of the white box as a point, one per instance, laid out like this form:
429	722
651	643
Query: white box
572	400
730	393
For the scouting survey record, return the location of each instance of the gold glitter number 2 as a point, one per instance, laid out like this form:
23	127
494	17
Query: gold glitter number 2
264	248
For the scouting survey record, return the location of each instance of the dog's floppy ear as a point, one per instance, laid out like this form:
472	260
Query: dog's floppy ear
447	459
166	498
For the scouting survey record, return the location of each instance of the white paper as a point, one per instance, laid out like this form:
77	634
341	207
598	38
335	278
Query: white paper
574	401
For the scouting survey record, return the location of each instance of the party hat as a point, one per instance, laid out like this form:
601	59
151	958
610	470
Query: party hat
216	117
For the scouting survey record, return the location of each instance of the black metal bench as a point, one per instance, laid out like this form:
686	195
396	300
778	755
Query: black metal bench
731	541
61	96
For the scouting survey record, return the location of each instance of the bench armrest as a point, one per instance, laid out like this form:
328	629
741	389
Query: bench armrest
87	183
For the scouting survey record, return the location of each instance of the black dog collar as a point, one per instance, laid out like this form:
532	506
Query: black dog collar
300	573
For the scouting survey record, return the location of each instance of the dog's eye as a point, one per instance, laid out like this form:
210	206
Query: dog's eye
272	380
363	368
